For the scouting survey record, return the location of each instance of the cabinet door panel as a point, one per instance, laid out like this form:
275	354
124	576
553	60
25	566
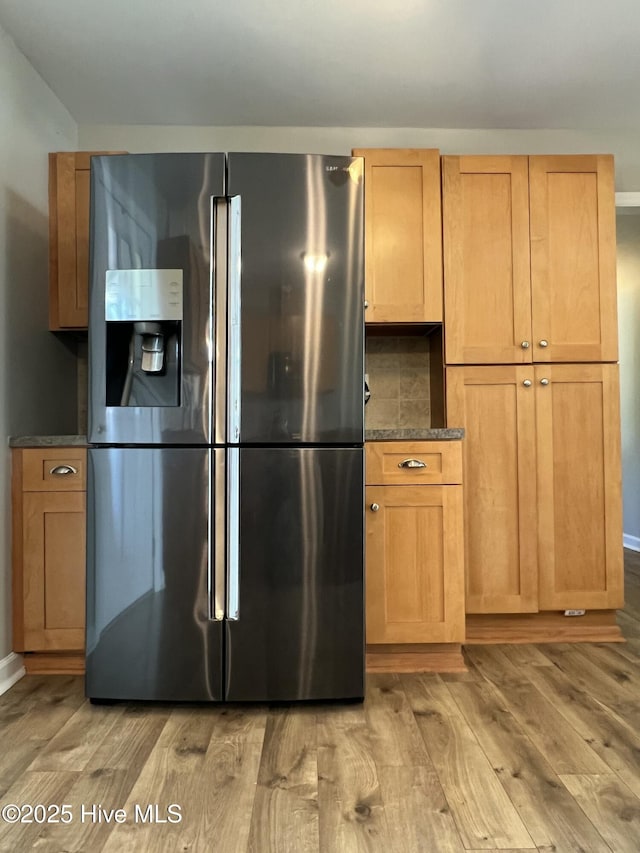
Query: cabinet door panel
573	261
68	241
81	290
415	586
53	551
403	246
486	259
578	460
69	179
497	411
62	241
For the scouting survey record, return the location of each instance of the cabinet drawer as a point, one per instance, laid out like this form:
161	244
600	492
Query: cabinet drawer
389	463
55	469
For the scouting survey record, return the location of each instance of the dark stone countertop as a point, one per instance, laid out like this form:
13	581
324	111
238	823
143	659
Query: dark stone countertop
48	441
419	434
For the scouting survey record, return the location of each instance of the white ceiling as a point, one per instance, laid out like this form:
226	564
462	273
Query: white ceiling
360	63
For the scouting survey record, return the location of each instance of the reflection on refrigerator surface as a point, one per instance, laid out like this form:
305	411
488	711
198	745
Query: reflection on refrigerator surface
225	488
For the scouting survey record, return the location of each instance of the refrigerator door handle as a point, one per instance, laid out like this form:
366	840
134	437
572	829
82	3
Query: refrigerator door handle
218	325
233	534
233	298
218	519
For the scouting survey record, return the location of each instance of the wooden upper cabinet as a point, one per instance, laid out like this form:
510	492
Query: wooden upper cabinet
579	486
403	243
69	180
486	260
529	259
573	258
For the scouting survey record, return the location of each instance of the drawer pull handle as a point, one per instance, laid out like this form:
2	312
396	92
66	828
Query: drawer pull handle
412	463
63	470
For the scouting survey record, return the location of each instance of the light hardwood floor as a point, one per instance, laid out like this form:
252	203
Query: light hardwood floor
536	747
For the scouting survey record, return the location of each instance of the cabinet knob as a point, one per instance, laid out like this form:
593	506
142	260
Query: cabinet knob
543	343
366	304
375	507
544	381
526	383
525	344
63	470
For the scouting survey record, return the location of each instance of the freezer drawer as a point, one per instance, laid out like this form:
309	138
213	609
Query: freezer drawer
299	632
150	627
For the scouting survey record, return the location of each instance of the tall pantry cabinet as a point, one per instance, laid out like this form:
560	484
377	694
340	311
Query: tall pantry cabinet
531	346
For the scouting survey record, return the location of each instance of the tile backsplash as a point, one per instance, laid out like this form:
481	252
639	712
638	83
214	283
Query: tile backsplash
398	369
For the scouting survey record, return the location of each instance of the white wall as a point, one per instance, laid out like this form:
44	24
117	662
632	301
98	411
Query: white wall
340	140
628	237
37	369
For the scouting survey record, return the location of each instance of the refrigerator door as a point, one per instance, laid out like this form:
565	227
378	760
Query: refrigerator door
151	574
152	330
295	574
298	231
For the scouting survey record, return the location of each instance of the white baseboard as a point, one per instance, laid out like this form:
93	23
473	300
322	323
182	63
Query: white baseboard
11	670
632	542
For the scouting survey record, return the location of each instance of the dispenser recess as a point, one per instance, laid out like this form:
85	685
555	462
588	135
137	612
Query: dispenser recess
143	312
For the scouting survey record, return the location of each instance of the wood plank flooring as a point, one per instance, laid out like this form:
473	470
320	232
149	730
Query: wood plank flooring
534	748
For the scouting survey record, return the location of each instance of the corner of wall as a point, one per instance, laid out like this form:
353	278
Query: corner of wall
11	670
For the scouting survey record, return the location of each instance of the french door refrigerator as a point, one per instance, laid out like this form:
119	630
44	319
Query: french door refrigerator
225	475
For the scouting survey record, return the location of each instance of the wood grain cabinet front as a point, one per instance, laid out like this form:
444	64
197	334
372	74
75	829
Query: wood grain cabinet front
543	516
414	547
69	191
529	259
49	552
403	243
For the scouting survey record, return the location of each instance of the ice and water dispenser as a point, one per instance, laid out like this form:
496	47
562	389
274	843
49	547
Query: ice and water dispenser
144	313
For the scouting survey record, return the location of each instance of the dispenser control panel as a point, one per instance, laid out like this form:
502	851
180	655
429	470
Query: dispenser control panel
134	295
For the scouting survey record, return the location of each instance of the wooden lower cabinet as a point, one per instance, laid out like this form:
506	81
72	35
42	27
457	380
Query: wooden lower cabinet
580	554
49	556
414	563
497	410
543	518
414	583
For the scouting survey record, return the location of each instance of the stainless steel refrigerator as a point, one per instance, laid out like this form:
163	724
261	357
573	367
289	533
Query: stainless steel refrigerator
225	475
